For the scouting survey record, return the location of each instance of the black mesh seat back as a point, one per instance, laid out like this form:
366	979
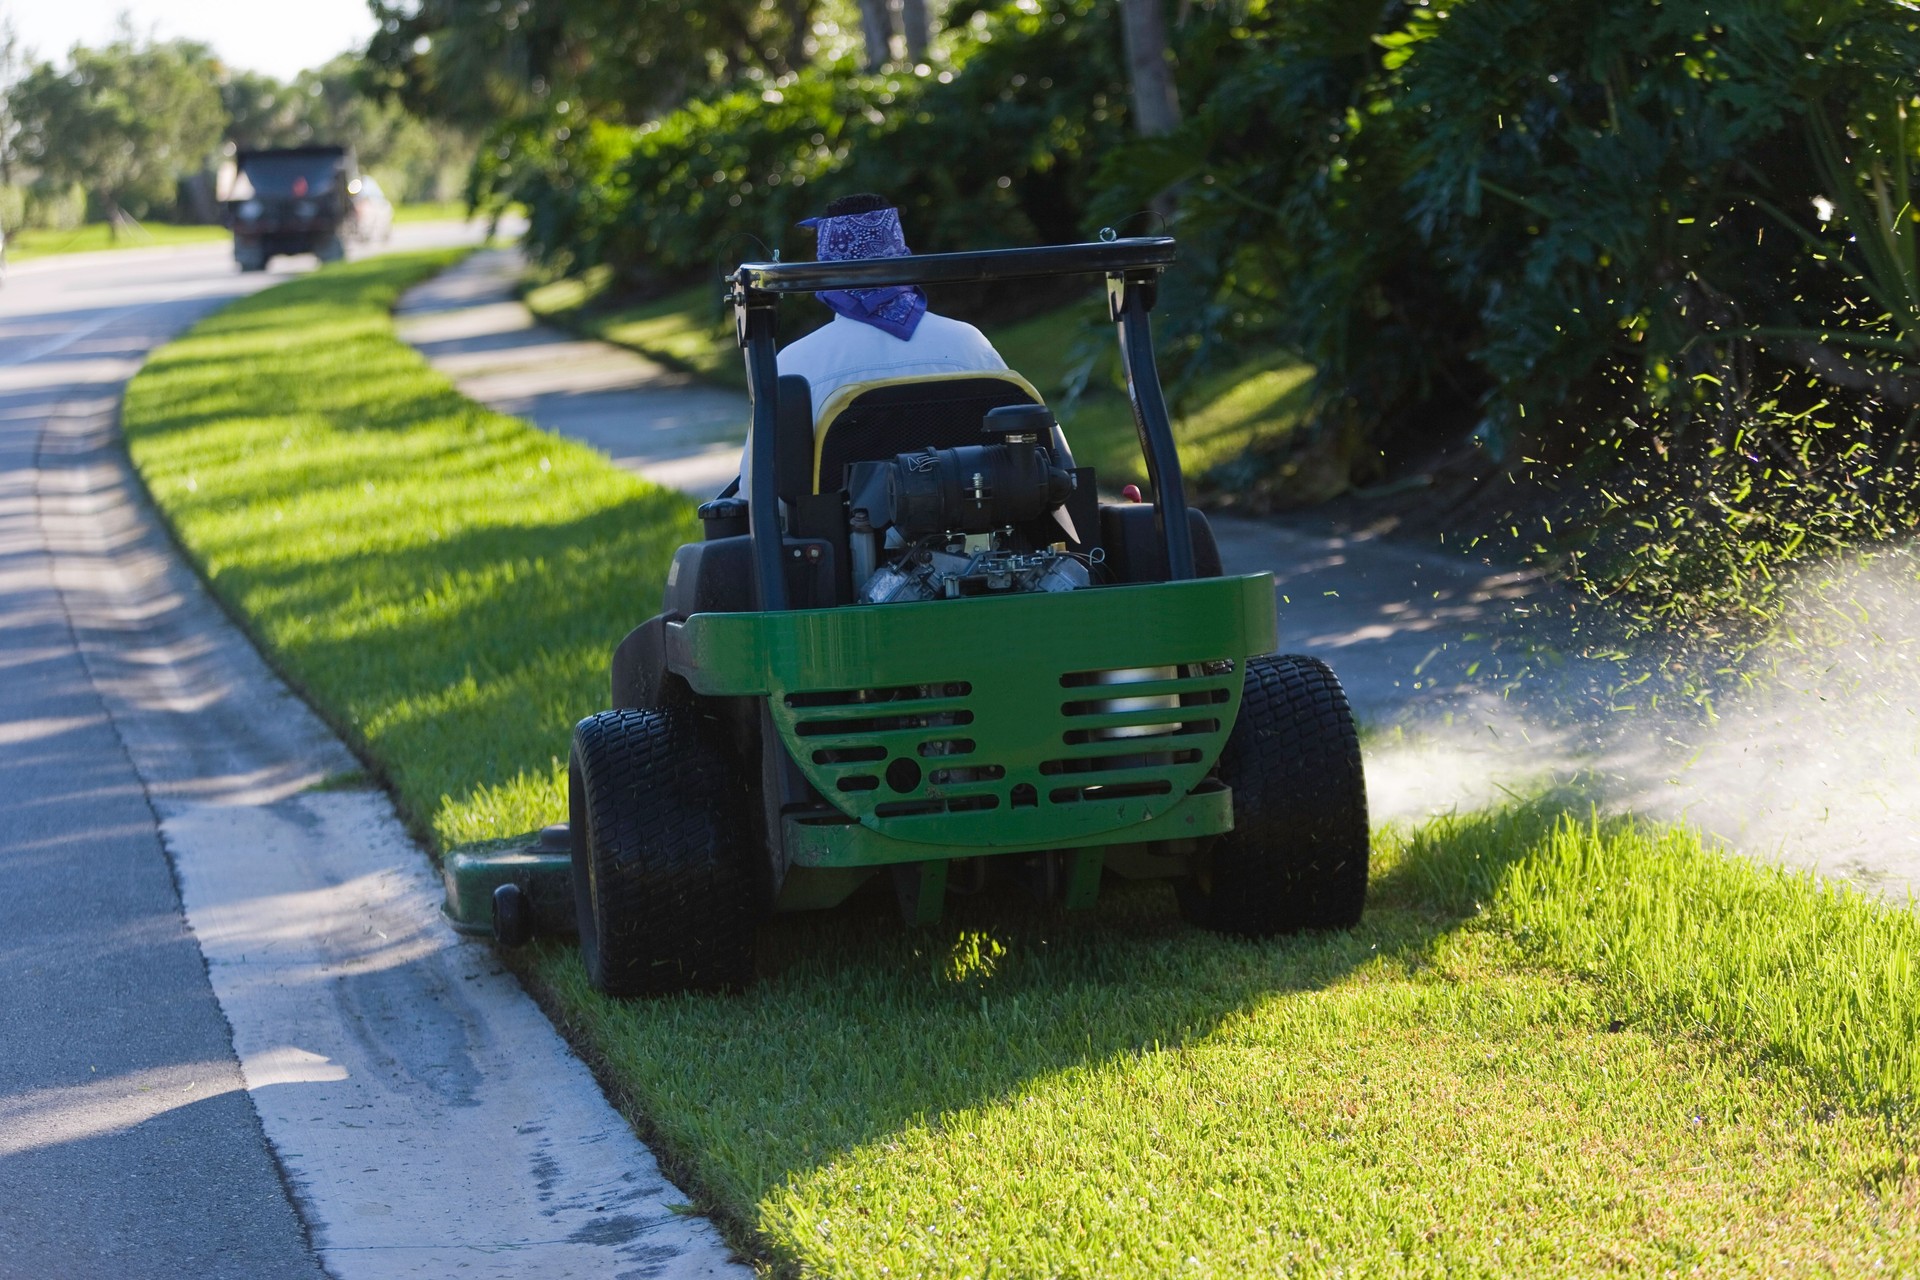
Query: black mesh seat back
886	418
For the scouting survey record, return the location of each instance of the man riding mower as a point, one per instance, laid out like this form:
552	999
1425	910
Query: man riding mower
919	646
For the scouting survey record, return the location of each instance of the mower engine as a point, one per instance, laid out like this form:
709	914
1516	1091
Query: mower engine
925	572
972	520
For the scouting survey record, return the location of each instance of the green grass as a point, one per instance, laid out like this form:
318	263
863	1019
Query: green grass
442	579
1556	1046
1553	1047
1215	418
96	237
688	330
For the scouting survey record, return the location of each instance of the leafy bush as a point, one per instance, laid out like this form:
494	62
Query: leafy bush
1531	216
740	163
1006	150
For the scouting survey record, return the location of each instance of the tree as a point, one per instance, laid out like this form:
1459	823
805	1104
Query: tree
126	121
917	29
11	69
876	25
262	112
414	159
1156	103
616	60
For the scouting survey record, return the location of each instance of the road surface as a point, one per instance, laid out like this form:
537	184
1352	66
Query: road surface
236	1040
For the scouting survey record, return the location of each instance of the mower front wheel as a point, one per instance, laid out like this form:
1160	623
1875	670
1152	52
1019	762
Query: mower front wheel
661	887
1297	855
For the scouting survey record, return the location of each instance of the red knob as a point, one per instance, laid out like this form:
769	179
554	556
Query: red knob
1131	493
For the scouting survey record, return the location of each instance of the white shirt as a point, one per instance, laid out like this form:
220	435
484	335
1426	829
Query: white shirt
844	351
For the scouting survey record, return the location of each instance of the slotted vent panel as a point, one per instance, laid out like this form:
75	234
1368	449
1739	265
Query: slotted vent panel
1000	720
1143	720
895	753
854	733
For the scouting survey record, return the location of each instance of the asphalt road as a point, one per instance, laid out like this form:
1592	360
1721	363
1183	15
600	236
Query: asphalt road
127	1142
235	1039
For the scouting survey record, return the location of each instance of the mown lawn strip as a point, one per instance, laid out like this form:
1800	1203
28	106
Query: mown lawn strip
1445	1091
438	578
97	237
1556	1046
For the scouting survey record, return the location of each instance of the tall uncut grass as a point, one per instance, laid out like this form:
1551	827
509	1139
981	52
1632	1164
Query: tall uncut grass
1812	972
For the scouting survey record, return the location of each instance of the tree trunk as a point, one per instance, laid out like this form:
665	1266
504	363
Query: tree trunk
916	28
800	29
11	69
876	22
1156	104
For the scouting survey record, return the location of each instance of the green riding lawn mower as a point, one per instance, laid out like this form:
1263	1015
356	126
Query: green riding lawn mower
918	646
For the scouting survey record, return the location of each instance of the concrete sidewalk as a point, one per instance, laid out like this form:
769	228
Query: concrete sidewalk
669	427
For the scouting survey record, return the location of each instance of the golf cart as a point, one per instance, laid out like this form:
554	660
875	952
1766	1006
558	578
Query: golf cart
915	644
288	200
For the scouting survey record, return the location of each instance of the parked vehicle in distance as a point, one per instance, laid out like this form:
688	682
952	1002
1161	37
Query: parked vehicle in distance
288	200
372	211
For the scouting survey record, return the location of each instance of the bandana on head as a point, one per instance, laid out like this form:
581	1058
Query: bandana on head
894	309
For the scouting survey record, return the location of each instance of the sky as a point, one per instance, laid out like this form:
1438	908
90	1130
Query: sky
280	37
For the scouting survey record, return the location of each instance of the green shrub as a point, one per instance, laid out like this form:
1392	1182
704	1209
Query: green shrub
1577	229
740	163
1006	151
42	205
1530	217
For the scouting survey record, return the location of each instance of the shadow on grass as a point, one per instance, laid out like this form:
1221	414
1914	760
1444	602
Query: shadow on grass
346	398
462	662
858	1030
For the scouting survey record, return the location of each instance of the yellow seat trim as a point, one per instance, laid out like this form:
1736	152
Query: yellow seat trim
843	396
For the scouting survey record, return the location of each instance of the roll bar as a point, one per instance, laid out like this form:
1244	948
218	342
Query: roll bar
1138	253
1132	267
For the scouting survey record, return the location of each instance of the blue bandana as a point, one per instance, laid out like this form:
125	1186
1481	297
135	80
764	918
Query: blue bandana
894	309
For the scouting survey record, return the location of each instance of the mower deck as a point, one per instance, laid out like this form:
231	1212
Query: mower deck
933	748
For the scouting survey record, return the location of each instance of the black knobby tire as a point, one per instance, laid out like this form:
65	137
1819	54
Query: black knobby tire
1297	856
661	887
